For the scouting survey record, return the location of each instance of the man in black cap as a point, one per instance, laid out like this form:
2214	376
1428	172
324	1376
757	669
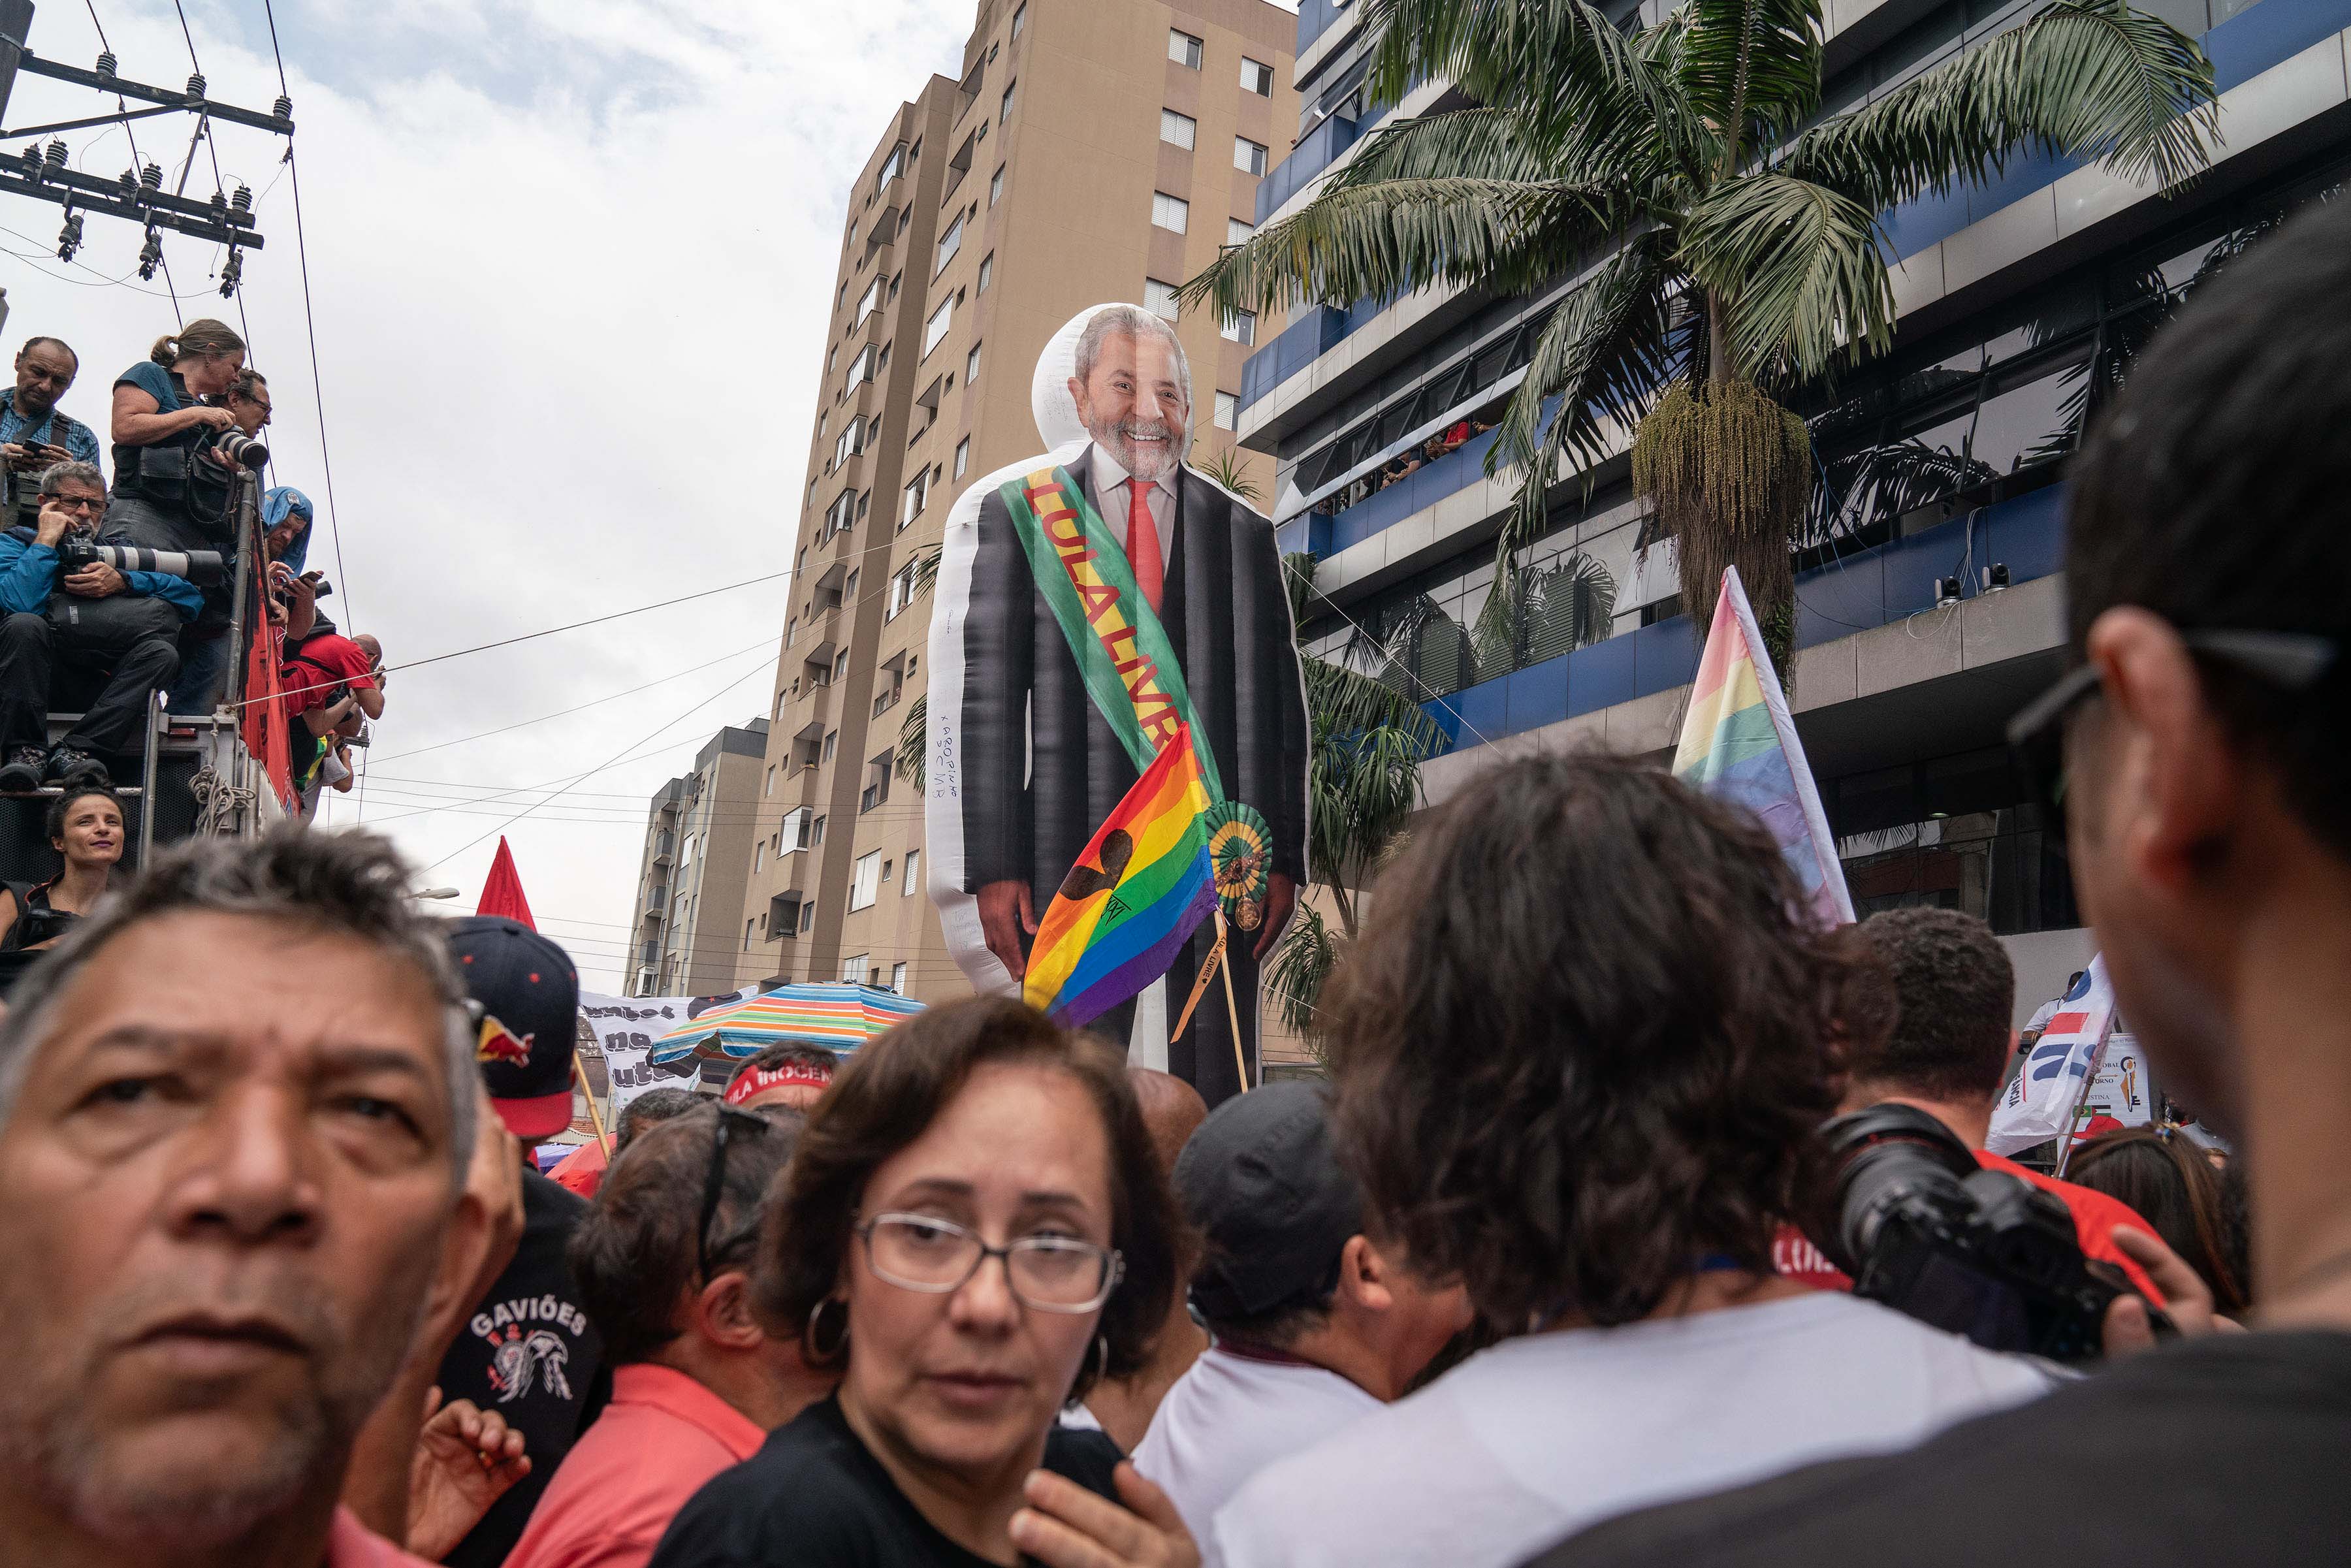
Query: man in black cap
527	1350
1315	1323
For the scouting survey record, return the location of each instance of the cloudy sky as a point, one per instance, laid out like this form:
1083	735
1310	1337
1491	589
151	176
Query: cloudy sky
572	262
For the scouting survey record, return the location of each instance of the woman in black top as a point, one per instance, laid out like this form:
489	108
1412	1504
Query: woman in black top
972	1232
85	826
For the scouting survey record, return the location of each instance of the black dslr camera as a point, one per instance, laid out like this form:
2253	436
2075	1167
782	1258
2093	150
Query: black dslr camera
240	450
1923	1228
206	568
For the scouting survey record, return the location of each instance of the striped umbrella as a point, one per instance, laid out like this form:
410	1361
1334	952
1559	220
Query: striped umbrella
839	1015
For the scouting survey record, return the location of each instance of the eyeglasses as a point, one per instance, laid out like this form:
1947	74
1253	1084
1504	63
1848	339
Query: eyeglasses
715	1183
2289	661
938	1257
75	503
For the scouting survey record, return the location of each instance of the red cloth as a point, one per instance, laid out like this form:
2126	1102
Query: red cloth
581	1170
2094	1217
314	670
660	1439
502	891
263	726
350	1545
1142	543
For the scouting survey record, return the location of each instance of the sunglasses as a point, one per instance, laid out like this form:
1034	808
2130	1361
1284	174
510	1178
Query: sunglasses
2289	661
714	1183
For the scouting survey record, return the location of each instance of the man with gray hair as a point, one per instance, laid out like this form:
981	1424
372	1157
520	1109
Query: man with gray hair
87	637
236	1109
1042	761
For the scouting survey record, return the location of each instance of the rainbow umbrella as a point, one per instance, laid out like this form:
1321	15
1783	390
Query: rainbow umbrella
838	1015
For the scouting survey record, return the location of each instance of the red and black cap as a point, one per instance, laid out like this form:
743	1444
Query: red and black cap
530	997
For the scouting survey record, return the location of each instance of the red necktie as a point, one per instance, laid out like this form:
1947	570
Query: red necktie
1142	543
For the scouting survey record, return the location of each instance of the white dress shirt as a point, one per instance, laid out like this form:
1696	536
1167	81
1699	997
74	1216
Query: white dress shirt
1111	497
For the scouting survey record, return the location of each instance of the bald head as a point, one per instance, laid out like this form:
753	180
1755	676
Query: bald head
1172	1109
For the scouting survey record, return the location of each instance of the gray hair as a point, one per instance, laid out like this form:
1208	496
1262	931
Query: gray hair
57	475
354	884
1132	321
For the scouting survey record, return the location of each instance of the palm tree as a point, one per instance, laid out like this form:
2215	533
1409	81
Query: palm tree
1726	232
1367	741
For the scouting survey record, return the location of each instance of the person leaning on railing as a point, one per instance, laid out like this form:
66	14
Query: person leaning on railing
93	638
172	491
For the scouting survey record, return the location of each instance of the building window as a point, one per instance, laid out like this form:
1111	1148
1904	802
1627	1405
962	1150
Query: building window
1237	232
995	185
902	593
770	787
746	934
963	456
1159	299
1184	49
816	833
898	979
891	166
863	367
1170	212
1020	20
1240	327
866	303
865	882
915	494
971	366
1257	77
1181	130
935	330
808	914
1229	408
1249	156
913	864
1004	105
949	243
986	271
841	666
830	741
854	969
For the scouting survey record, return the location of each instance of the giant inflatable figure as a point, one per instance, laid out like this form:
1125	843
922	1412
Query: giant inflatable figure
1097	605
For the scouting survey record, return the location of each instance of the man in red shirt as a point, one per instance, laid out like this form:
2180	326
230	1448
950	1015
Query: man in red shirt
1948	1056
330	677
663	1262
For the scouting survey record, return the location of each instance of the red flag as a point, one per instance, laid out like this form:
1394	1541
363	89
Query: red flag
502	894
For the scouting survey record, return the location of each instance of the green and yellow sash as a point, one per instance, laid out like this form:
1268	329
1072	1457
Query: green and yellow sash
1121	650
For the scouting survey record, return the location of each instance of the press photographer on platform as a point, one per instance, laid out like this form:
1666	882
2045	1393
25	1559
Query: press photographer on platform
82	631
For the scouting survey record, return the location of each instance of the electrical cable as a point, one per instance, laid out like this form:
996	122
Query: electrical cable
220	185
527	810
171	285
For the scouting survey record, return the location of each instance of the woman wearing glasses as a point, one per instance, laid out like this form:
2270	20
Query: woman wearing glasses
972	1232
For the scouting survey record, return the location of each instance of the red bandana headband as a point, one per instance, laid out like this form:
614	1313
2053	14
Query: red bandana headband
753	1080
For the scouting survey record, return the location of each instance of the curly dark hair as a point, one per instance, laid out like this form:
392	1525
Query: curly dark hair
1955	998
891	1090
634	1249
1585	1040
52	826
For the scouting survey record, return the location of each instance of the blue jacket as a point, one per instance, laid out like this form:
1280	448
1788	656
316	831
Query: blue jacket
28	575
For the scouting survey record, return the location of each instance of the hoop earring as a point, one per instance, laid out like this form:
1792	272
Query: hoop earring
809	1334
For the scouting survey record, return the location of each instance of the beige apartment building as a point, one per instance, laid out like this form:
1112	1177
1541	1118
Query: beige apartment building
1092	150
687	934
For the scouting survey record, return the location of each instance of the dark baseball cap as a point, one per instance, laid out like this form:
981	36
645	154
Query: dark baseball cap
1262	1181
529	995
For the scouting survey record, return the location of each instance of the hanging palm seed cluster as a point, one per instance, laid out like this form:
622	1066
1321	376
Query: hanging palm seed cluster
1730	473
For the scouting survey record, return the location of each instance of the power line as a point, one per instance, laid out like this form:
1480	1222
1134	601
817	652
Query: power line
170	285
597	621
310	327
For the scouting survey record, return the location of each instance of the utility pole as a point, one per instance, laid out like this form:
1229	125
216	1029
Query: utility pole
45	173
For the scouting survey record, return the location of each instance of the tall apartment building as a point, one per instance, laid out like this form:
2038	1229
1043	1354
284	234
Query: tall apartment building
1091	150
688	936
2017	302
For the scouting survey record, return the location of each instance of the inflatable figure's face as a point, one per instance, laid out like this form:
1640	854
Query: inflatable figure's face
1133	402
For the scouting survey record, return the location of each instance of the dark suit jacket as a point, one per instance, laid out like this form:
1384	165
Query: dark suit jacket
1033	793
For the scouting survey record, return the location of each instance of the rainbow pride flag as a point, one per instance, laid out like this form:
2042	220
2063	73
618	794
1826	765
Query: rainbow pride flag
1134	898
1738	744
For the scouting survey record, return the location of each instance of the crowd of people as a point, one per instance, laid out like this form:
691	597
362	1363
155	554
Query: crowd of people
1409	461
1561	1266
79	634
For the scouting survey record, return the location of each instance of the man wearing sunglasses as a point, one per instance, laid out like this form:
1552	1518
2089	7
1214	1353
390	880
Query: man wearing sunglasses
529	1350
664	1261
2200	754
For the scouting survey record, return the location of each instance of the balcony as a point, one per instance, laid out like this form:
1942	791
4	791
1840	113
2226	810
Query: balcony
656	901
664	850
1861	592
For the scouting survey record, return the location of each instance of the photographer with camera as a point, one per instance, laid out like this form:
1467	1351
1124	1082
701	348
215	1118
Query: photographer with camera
1944	1061
85	826
35	435
333	684
80	631
176	465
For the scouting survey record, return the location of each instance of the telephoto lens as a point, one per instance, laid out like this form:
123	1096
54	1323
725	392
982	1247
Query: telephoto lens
241	448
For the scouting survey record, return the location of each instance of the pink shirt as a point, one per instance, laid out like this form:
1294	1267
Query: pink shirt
660	1439
350	1545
